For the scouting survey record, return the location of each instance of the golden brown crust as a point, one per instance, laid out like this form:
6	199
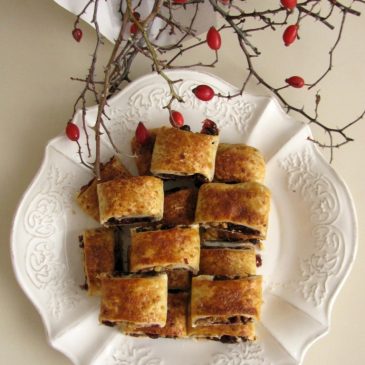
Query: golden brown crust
223	299
239	163
227	262
88	197
175	324
138	196
99	258
244	204
179	206
174	248
179	279
144	152
238	331
179	152
138	300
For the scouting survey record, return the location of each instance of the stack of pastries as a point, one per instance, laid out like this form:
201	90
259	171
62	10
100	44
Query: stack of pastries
190	267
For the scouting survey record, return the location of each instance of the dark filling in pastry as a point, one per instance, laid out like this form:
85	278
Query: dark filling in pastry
108	323
219	320
186	128
231	339
84	286
115	221
174	190
223	235
258	260
223	277
118	261
150	335
242	229
161	227
199	180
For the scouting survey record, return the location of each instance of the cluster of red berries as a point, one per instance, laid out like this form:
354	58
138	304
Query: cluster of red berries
202	92
289	36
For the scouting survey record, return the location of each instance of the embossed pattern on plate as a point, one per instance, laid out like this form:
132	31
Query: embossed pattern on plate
305	258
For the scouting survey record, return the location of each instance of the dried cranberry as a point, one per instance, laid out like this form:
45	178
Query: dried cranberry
209	127
258	260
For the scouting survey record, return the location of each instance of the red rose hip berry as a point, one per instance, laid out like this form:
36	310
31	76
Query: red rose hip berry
72	131
295	81
214	39
77	34
204	92
142	134
176	119
134	28
290	34
289	4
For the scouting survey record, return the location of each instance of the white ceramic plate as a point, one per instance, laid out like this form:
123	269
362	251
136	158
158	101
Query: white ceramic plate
309	251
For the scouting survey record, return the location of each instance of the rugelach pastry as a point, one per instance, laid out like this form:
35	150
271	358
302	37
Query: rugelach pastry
238	211
87	198
165	249
134	299
102	254
138	199
143	152
179	206
175	324
227	262
220	301
226	333
180	153
236	163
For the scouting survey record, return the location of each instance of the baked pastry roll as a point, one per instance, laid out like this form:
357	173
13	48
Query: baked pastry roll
139	300
143	152
237	208
226	333
182	153
227	262
102	254
87	198
239	163
138	199
179	279
165	249
179	206
216	301
175	324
